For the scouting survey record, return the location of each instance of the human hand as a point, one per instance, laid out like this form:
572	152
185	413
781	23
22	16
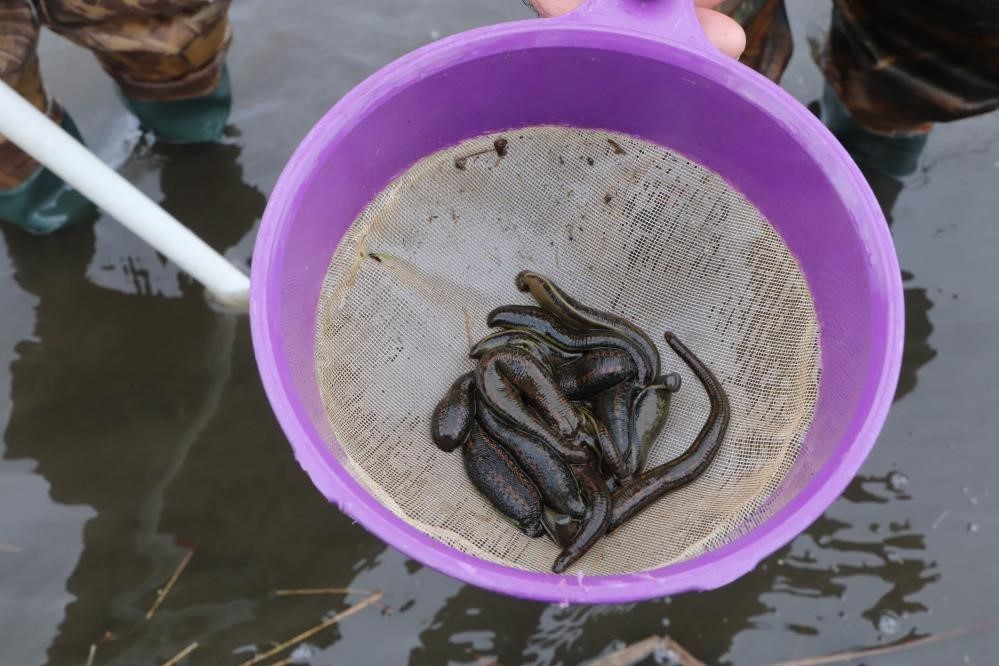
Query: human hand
723	31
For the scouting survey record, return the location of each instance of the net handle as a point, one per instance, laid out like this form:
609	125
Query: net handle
668	21
34	133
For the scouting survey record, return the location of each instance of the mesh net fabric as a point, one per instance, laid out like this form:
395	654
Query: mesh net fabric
622	225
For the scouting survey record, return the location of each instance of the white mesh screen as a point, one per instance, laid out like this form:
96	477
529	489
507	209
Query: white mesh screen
622	225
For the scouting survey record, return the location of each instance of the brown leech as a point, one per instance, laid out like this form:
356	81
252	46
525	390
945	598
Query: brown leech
495	474
551	298
650	412
453	418
503	398
550	474
649	486
536	385
561	530
608	447
594	525
614	408
520	337
561	334
594	372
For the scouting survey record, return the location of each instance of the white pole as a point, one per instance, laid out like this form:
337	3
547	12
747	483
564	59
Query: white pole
33	132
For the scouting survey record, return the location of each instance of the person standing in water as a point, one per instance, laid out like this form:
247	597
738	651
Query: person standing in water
892	69
166	58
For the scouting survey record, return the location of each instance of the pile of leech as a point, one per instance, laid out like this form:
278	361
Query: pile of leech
557	418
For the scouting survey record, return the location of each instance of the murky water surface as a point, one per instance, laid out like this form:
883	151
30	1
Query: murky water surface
134	424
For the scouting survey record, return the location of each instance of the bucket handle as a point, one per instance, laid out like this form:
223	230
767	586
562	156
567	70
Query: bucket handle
673	21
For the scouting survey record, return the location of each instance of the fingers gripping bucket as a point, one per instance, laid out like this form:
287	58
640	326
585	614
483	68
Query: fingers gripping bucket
645	172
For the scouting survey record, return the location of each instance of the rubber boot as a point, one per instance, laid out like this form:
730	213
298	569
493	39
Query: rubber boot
893	155
194	120
44	203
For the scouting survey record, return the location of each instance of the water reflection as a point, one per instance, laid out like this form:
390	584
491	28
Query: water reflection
150	411
203	187
822	562
169	438
844	582
918	328
465	629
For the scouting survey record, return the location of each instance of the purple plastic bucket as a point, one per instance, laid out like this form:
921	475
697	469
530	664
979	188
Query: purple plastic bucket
643	69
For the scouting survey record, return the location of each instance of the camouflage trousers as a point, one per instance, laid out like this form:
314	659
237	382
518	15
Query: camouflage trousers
897	66
900	66
153	49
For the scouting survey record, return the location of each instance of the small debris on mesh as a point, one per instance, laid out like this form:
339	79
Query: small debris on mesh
499	147
468	327
616	147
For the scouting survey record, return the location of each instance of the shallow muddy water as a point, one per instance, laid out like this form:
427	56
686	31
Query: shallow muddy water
134	424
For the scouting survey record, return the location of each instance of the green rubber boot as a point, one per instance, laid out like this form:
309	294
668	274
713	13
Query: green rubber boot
195	120
891	155
44	203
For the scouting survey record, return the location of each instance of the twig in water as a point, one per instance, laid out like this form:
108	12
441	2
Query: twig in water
9	548
885	649
173	661
92	654
364	603
644	649
161	595
284	662
318	590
